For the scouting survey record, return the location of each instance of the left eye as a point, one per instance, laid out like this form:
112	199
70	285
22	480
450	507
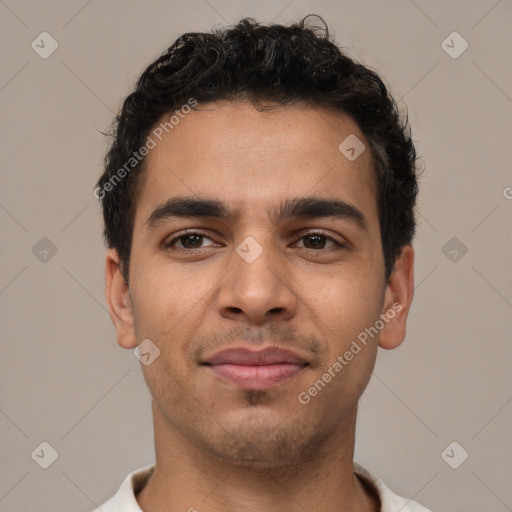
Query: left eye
317	241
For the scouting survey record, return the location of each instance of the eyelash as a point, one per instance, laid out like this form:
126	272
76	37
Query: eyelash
172	243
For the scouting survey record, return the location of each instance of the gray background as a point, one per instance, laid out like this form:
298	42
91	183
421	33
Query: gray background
65	381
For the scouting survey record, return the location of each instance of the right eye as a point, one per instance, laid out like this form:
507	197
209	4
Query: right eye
188	241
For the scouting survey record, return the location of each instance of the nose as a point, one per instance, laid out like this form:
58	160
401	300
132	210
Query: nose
257	292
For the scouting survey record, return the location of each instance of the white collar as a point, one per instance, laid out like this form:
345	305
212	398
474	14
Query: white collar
124	499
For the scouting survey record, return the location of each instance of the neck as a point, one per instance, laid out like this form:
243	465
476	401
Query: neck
188	478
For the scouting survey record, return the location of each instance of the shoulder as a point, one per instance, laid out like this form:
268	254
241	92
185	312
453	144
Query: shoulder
390	502
124	499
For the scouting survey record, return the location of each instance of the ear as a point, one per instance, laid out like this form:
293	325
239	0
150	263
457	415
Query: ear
398	297
118	300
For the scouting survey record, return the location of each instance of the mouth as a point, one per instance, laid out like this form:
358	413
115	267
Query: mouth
255	370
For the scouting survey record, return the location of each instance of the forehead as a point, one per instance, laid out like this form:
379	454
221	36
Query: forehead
253	160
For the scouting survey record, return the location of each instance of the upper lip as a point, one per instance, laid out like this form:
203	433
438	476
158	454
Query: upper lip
245	356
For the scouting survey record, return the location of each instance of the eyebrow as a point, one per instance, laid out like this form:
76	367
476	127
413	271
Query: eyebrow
300	208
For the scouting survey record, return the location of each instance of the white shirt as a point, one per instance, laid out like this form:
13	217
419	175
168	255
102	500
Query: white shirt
124	499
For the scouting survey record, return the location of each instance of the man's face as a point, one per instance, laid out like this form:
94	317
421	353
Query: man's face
255	278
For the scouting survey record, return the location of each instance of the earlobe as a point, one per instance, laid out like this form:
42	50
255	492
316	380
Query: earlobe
397	300
118	301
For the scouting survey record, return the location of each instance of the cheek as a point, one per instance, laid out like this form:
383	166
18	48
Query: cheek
168	296
341	304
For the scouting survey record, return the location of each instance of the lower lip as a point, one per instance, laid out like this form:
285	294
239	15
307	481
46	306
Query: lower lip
256	377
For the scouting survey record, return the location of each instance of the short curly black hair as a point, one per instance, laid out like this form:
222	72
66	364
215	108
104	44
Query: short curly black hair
265	64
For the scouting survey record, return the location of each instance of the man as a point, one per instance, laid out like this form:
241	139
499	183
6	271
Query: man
258	200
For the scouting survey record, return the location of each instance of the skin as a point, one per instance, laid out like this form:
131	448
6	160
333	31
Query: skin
221	447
